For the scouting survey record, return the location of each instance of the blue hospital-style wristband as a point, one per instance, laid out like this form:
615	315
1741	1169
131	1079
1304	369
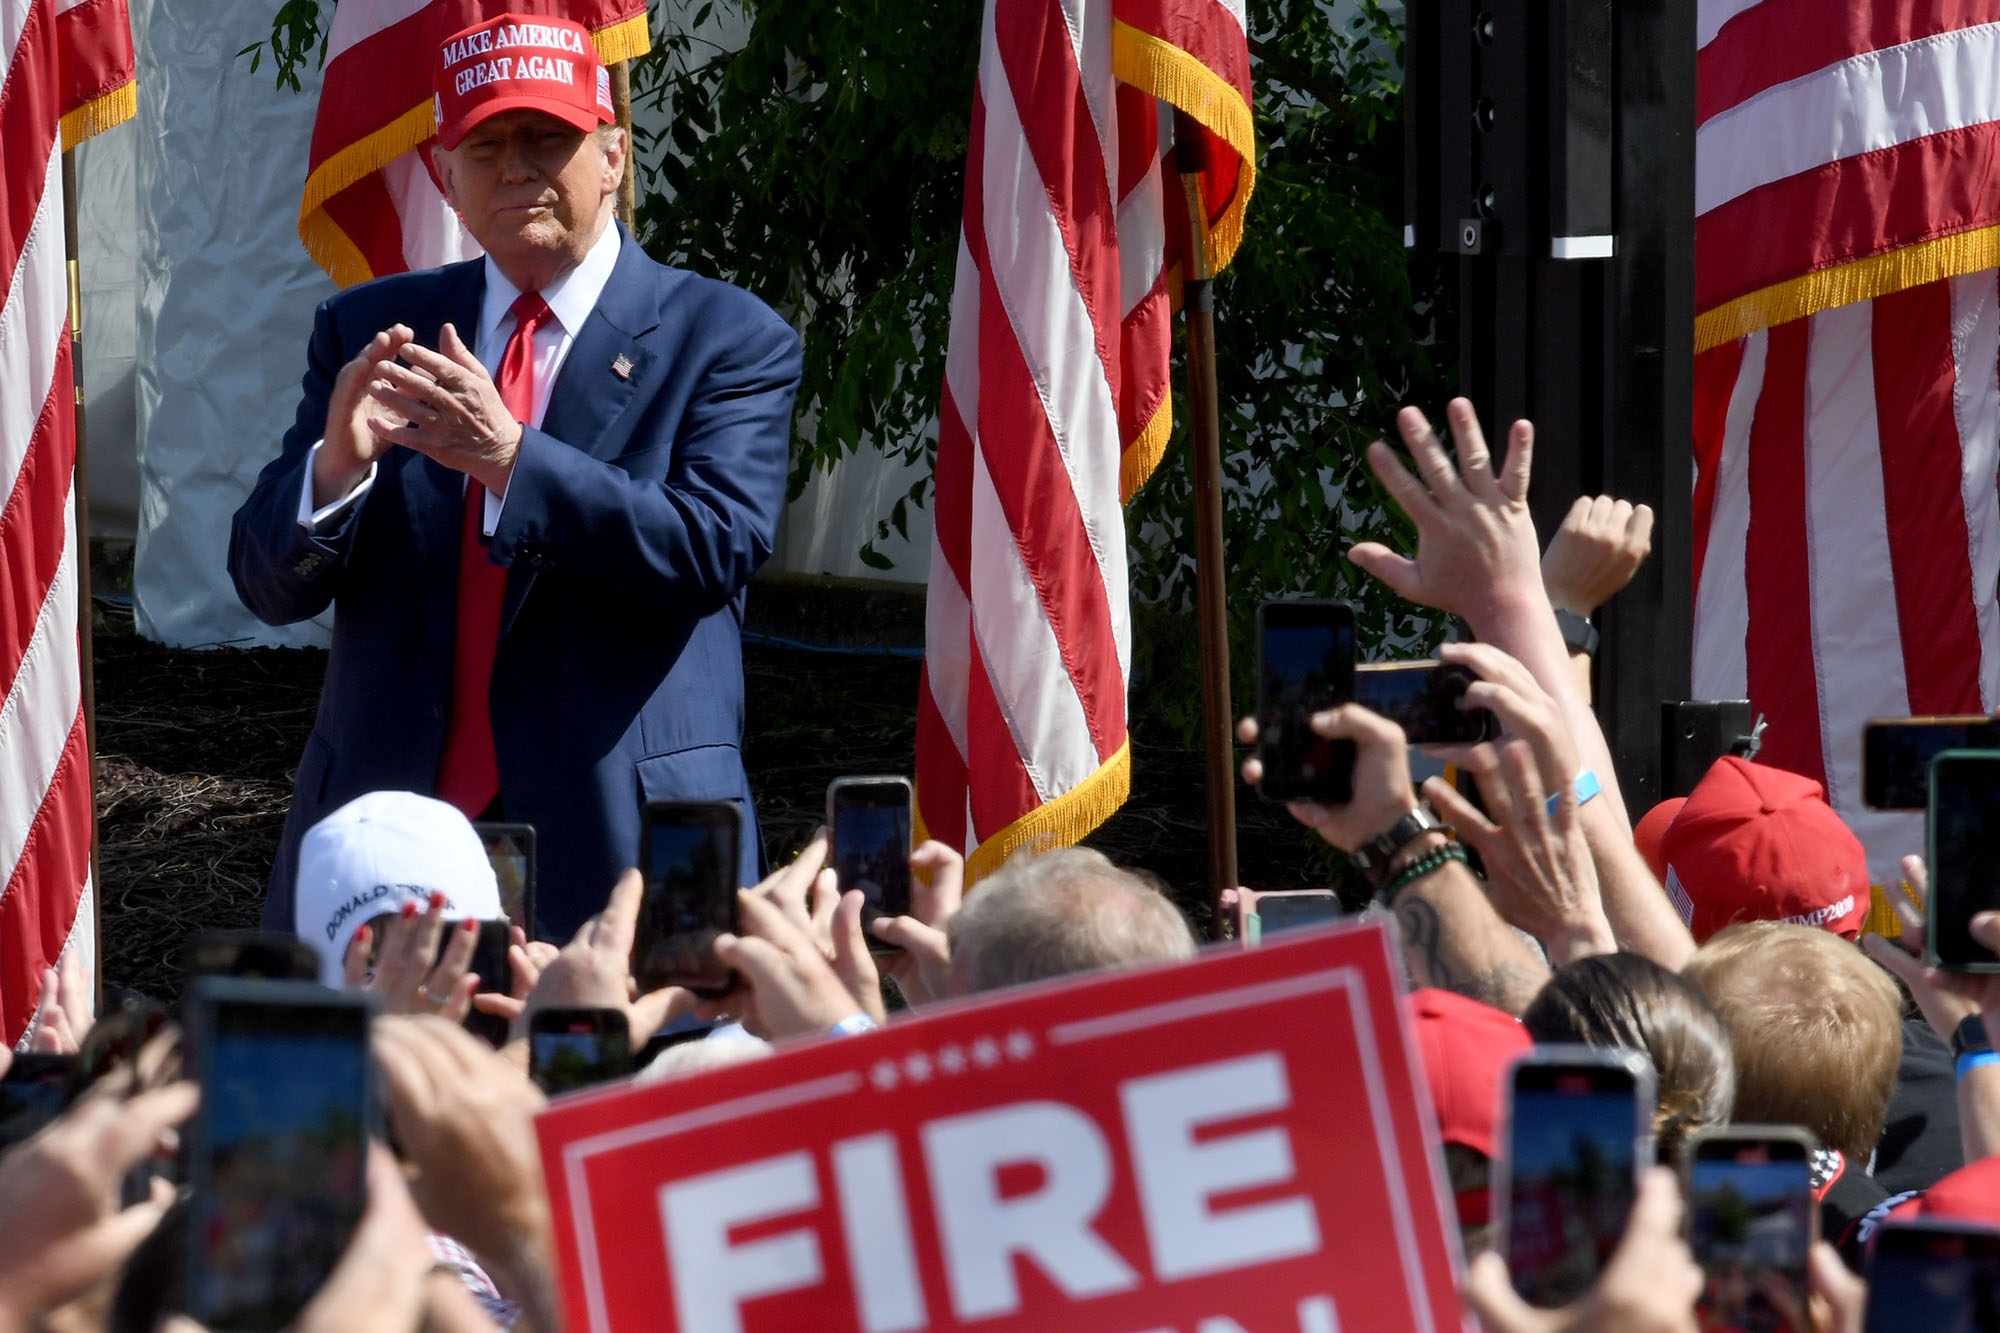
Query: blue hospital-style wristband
1586	785
1972	1060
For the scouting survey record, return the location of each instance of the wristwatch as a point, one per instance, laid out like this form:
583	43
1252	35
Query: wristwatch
1372	858
1578	633
1969	1037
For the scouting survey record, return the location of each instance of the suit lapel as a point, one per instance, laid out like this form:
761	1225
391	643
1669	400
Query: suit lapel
607	363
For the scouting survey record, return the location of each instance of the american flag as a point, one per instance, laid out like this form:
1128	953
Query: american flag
1847	533
45	810
97	67
370	205
1056	404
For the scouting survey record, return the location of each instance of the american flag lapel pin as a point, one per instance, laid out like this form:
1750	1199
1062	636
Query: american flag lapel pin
621	366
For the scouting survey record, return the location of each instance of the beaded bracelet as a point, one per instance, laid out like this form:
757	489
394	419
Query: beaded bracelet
1426	864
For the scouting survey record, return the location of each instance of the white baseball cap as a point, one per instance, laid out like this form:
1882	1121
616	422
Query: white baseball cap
378	852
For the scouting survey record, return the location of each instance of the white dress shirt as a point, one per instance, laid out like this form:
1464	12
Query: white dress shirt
570	297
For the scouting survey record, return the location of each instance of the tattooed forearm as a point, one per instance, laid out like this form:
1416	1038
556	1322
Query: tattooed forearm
1463	961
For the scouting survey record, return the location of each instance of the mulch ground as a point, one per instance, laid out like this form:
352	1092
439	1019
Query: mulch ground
197	750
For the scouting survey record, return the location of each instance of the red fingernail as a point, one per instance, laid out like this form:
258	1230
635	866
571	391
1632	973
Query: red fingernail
364	934
437	901
469	925
409	910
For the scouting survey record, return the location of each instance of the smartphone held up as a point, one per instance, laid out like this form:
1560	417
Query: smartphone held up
1752	1221
1305	665
1962	814
869	822
687	861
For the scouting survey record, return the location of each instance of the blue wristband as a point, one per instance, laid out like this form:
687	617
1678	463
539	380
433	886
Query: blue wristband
1972	1060
853	1025
1586	785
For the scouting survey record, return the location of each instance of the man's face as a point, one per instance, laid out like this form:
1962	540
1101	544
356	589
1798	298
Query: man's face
531	189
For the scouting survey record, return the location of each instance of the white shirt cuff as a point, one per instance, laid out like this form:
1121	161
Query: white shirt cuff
491	518
312	518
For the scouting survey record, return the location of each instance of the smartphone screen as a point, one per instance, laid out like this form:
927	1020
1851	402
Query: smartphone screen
251	954
1750	1224
1965	875
1290	911
689	851
570	1049
1422	698
494	966
1305	653
510	850
1573	1155
869	819
1927	1278
280	1146
34	1091
1896	755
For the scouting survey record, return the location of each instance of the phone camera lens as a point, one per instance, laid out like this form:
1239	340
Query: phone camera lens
1482	28
1483	115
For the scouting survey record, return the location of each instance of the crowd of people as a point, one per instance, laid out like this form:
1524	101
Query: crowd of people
1719	943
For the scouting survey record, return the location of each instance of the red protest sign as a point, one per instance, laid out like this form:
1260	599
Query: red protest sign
1233	1144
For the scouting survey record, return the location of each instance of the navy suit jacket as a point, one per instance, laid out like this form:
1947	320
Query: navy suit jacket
635	515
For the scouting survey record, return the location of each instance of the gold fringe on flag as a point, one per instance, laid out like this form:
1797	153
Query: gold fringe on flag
1146	450
1845	284
330	247
100	114
1177	78
1061	822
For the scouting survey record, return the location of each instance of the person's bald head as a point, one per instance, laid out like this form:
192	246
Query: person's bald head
1059	913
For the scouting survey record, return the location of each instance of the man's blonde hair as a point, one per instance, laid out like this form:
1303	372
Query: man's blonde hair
1816	1026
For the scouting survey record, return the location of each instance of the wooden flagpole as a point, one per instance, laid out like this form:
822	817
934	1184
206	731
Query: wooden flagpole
621	102
1211	577
86	645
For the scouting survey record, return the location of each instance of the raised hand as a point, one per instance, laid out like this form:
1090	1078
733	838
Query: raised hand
923	968
594	971
1476	550
1539	870
447	407
1594	554
350	447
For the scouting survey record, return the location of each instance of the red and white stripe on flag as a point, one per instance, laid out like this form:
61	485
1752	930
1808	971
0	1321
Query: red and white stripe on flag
1056	403
97	67
44	762
371	206
1847	396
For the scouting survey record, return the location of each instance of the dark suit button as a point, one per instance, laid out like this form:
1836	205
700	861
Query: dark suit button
536	560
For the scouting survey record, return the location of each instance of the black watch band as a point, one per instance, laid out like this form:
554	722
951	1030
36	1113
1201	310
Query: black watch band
1372	858
1969	1037
1578	633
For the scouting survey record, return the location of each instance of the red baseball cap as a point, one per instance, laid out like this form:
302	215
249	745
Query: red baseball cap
1969	1194
1651	828
1755	843
510	63
1466	1048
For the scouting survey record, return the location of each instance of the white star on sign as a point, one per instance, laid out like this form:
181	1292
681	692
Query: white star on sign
986	1052
918	1067
951	1060
1020	1045
885	1076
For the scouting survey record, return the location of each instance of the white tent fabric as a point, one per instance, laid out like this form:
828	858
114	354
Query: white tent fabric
226	296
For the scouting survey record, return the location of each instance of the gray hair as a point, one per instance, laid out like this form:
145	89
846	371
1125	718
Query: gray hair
1058	913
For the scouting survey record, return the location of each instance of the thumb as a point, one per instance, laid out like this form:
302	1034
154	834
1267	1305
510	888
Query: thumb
1379	562
1490	1292
454	347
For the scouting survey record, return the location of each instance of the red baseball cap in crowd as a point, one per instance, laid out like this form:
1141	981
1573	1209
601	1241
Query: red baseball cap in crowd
1969	1194
1651	828
1755	843
516	62
1466	1048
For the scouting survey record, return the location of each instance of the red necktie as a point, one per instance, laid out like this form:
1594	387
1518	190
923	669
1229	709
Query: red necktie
469	776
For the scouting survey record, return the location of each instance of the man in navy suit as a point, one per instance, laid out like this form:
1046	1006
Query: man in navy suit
533	487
